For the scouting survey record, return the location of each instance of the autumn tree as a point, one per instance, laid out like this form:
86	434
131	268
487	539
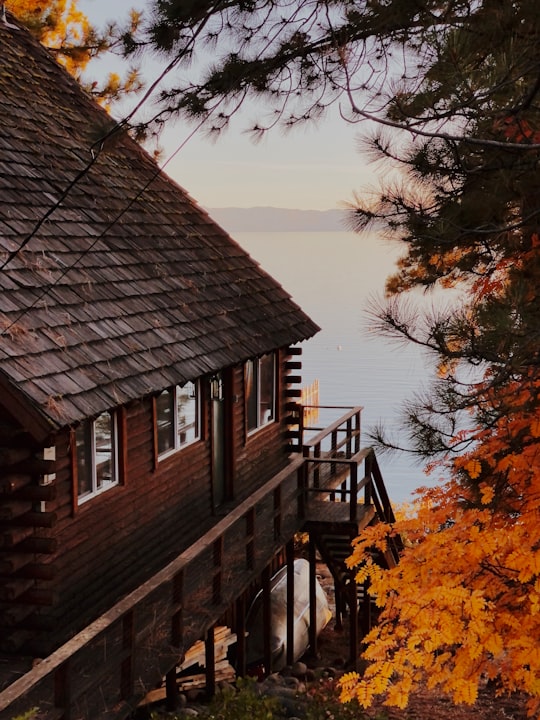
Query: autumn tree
453	89
66	31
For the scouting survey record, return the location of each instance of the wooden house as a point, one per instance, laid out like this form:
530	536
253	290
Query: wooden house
147	369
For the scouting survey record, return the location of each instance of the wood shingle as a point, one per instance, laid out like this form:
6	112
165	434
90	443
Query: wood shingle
114	283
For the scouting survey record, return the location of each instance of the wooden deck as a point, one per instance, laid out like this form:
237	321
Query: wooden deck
110	665
328	515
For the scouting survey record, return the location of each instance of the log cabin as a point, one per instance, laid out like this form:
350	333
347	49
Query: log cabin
149	370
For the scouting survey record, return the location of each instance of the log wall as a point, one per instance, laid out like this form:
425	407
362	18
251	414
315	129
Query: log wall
95	553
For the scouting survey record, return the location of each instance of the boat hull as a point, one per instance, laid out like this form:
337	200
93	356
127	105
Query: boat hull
278	614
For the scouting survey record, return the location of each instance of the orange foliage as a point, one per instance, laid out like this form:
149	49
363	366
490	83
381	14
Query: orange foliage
463	605
67	33
60	25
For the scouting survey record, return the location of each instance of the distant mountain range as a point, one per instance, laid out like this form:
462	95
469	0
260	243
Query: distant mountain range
270	219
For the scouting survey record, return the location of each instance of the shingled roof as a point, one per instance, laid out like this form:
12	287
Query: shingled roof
123	285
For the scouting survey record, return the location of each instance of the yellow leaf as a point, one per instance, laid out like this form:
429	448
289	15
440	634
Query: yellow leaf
473	468
487	493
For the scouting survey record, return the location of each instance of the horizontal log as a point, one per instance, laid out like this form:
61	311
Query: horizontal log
38	545
13	589
13	509
37	621
13	482
13	642
35	466
293	365
297	350
14	436
36	493
37	571
293	379
11	537
15	615
36	596
293	392
10	563
11	456
36	519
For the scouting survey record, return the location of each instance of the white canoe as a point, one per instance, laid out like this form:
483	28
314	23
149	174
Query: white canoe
278	610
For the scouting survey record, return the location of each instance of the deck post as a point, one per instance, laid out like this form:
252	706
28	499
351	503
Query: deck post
353	624
289	551
302	474
210	657
267	620
366	610
354	493
62	690
172	693
312	597
241	661
128	645
338	595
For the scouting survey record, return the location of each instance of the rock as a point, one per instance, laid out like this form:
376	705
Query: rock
194	695
299	670
291	682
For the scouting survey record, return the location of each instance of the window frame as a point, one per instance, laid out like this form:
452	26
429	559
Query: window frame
175	429
257	410
90	447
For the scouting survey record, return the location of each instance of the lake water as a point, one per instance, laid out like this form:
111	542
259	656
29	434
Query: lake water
331	276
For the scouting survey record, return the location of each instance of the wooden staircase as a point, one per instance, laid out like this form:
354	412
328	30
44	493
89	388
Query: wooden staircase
343	493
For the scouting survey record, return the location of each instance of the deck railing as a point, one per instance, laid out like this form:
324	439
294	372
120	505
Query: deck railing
104	670
336	470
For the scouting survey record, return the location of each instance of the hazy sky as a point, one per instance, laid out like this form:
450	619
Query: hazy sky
308	168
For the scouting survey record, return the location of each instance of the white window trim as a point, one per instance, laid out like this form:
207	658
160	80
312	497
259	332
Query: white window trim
95	491
177	444
272	419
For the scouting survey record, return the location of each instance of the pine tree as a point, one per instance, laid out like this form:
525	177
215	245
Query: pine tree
453	89
67	33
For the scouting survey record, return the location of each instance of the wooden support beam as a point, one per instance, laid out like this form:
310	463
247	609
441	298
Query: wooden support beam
338	596
128	646
267	620
62	690
366	610
172	692
289	550
353	625
312	596
209	649
241	656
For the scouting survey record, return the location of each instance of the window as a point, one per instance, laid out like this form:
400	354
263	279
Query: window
177	417
96	456
260	391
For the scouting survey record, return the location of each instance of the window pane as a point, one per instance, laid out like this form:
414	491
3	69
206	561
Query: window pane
104	439
187	413
165	421
251	380
266	386
83	441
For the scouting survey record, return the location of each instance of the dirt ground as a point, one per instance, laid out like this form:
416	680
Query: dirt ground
333	651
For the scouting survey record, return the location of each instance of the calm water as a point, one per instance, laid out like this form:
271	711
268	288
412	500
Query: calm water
331	276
